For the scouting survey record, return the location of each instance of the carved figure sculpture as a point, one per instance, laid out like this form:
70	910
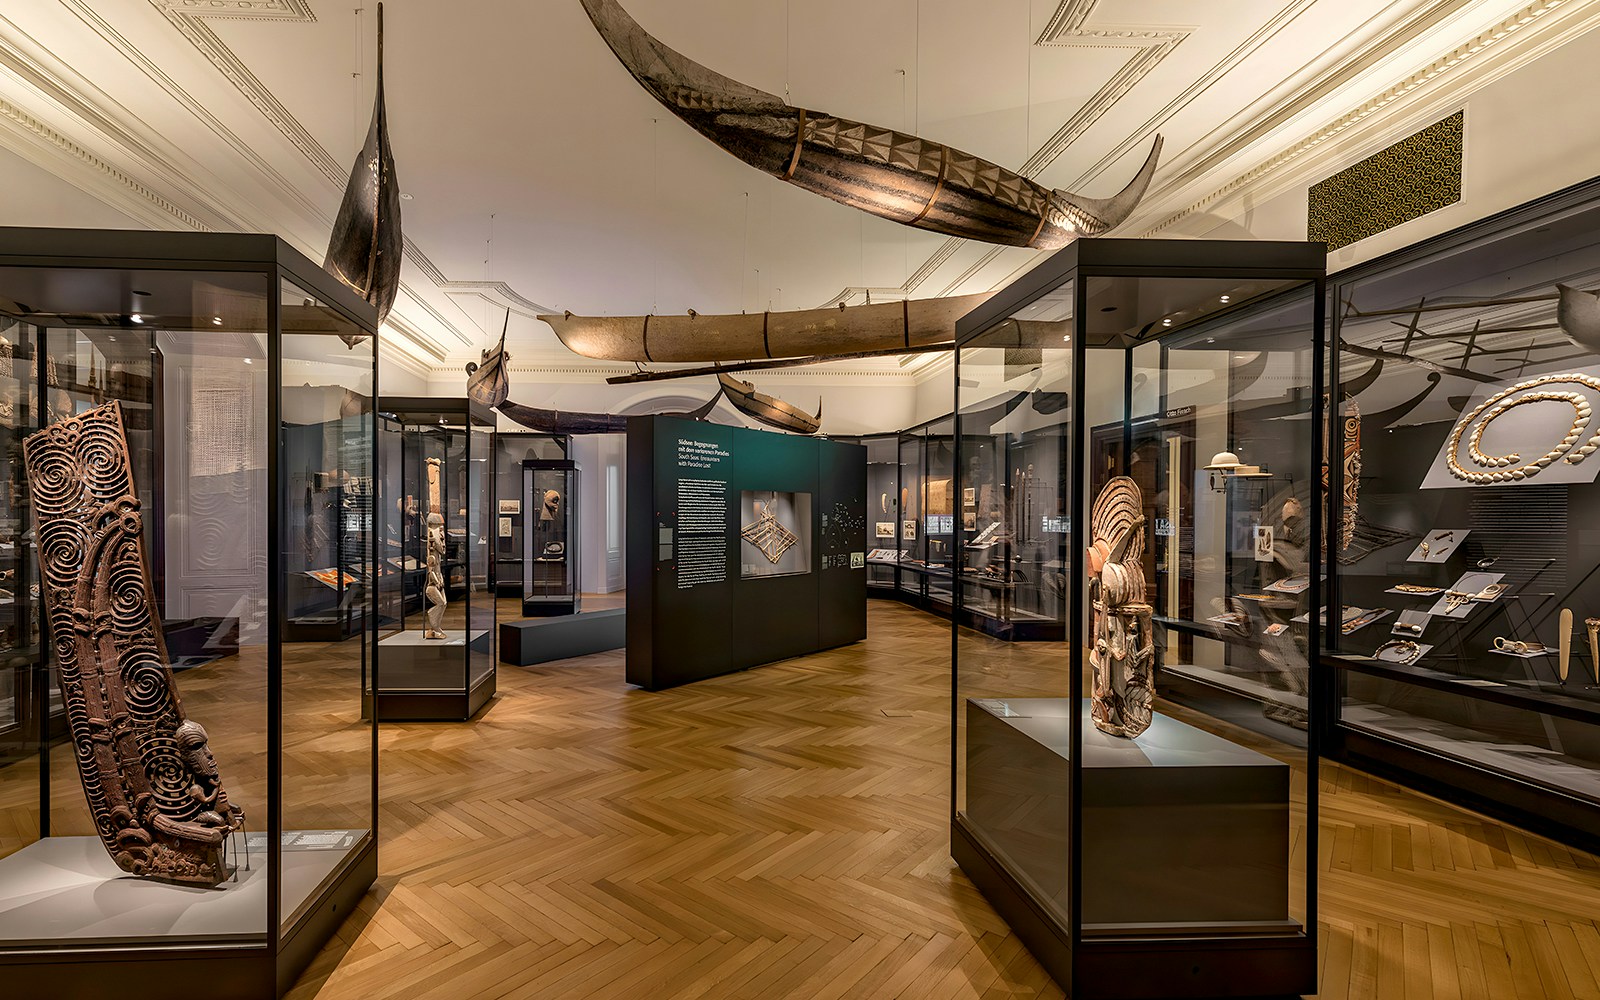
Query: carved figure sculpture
147	771
1123	656
551	508
1349	424
433	617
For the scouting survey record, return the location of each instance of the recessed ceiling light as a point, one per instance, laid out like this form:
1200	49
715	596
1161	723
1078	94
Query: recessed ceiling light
1166	322
216	321
1224	298
137	318
1211	340
112	339
249	361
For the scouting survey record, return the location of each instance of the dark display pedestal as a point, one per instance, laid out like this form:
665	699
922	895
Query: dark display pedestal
541	640
1185	843
422	679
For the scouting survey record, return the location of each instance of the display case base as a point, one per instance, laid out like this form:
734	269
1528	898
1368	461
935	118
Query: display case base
324	628
99	921
549	607
1006	630
1202	914
429	680
541	640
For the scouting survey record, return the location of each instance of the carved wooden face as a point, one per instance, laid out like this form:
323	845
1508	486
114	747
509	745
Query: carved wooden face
552	502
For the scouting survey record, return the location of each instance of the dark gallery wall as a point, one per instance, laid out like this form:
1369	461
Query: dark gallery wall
690	613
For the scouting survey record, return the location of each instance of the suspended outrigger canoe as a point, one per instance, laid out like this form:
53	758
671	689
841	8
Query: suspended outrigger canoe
894	175
881	326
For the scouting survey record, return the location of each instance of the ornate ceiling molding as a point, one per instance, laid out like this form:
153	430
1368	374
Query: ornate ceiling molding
1468	50
37	129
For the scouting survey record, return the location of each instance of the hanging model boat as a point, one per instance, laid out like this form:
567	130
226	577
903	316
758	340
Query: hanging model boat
769	410
489	383
891	174
364	251
910	323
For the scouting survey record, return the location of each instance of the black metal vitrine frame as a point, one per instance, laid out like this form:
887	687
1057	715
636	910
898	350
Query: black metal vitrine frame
436	680
292	935
1108	965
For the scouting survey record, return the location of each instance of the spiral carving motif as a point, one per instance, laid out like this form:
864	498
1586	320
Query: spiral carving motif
1511	467
147	773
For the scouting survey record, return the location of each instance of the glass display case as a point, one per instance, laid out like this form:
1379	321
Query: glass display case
884	523
511	449
180	394
550	583
1135	420
438	629
1470	372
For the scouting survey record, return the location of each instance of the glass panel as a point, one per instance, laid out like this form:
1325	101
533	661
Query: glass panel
28	688
550	570
511	450
479	503
1012	773
913	530
436	553
327	526
885	525
183	354
940	511
1465	542
1198	482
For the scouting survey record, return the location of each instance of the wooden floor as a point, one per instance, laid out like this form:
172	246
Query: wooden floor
783	833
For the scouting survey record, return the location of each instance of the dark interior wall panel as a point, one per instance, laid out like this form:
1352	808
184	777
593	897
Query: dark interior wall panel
684	622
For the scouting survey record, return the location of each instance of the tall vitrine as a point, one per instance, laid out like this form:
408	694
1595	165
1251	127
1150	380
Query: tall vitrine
438	501
183	392
1138	426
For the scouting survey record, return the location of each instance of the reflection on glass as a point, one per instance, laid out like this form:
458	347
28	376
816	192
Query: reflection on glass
1464	561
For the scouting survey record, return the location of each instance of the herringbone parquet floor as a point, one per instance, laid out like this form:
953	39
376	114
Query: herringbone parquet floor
783	833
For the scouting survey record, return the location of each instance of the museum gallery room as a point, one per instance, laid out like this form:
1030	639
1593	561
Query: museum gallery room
827	499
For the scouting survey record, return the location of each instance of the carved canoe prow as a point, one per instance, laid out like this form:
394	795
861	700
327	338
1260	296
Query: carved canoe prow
365	248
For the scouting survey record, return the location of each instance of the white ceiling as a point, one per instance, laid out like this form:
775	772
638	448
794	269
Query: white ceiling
245	114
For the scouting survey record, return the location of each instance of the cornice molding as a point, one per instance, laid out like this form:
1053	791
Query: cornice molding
1317	141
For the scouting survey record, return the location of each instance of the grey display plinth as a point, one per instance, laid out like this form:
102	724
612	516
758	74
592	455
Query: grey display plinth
423	680
67	889
541	640
1182	829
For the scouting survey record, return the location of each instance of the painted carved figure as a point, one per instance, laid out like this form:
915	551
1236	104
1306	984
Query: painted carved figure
433	617
147	771
1123	657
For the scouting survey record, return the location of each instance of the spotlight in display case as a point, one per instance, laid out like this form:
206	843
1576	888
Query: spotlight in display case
1135	853
201	458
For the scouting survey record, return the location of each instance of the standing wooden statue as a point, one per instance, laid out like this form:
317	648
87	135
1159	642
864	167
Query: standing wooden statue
1123	657
147	771
433	617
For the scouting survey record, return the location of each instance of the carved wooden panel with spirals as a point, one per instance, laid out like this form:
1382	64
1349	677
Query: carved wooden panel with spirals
147	772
